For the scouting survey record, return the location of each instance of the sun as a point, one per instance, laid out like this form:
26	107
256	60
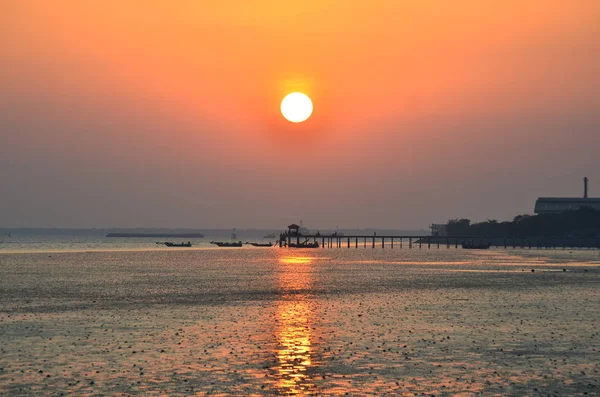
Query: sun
296	107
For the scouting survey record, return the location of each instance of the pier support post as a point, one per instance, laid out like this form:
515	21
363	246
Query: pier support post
410	242
428	243
392	242
373	242
356	243
447	243
382	242
348	242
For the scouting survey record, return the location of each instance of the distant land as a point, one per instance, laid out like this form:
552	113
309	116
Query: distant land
145	235
258	233
92	231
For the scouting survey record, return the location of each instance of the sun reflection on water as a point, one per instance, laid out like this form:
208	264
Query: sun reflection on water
293	329
296	260
294	355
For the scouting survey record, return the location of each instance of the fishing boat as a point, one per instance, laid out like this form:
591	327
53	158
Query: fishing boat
304	245
169	244
226	244
472	246
261	244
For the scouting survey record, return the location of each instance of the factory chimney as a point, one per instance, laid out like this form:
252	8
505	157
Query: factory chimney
585	187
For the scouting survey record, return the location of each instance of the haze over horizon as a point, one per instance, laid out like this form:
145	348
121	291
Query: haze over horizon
114	115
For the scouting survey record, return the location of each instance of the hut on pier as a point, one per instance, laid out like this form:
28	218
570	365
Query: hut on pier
293	230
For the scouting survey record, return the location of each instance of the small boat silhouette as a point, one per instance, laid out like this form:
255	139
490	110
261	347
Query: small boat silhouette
304	245
261	244
169	244
226	244
472	246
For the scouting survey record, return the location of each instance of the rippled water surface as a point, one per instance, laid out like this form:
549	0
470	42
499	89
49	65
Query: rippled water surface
300	322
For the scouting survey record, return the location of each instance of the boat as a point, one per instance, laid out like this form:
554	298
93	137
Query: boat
169	244
473	246
261	244
226	244
304	245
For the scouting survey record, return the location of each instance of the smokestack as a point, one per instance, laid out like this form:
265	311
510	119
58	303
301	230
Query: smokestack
585	181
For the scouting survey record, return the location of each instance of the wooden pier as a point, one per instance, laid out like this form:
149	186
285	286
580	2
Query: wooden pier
428	242
293	238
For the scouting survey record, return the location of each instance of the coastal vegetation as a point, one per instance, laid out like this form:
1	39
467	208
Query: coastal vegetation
581	223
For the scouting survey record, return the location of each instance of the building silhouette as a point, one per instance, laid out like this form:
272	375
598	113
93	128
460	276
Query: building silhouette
555	205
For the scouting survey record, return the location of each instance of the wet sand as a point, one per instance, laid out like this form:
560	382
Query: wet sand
316	322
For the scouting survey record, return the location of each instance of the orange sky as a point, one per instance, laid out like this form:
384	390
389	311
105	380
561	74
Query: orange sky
194	86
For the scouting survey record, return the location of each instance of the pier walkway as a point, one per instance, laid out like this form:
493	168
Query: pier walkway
411	241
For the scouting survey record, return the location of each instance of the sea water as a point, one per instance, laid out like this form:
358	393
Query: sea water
143	320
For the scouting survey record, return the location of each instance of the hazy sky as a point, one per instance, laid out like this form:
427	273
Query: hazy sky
166	113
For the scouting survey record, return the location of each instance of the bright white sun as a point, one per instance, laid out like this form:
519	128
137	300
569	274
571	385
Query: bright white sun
296	107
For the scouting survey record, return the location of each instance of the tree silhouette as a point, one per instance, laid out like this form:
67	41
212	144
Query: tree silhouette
581	223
